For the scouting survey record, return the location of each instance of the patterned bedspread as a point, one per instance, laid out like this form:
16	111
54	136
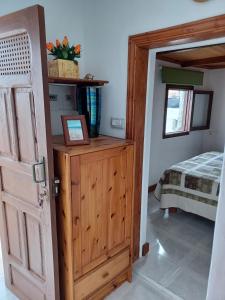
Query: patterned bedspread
197	178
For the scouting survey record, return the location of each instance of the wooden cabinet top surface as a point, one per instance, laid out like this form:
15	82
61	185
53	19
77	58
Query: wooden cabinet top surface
96	144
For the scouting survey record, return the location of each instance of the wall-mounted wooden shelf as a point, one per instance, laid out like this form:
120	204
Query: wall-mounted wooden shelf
80	82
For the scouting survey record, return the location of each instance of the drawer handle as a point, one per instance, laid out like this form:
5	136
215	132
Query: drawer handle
106	274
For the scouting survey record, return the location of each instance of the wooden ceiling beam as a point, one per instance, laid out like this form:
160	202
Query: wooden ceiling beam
163	57
212	67
203	61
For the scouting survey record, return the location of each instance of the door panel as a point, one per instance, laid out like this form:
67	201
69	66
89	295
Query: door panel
26	289
26	190
27	222
34	245
13	231
5	141
26	126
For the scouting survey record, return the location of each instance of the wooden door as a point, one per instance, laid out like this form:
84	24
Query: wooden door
28	233
104	210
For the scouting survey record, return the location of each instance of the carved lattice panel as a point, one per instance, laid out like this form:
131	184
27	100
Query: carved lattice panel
15	57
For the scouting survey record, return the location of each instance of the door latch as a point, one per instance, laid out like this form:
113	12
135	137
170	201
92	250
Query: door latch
56	184
39	175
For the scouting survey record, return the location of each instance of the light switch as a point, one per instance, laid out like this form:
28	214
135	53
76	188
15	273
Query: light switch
117	123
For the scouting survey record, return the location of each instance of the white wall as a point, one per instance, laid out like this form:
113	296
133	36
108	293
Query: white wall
61	18
106	40
165	152
103	27
62	106
215	137
216	289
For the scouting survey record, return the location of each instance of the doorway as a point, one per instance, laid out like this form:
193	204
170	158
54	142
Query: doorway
138	71
181	242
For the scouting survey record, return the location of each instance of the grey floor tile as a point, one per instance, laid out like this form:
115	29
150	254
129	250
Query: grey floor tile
199	262
139	290
156	265
188	285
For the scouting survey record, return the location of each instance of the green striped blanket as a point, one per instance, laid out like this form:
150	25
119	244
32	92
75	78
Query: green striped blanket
197	178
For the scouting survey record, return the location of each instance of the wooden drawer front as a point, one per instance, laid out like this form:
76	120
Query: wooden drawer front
101	276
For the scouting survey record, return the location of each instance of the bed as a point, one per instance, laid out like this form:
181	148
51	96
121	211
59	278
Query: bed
192	185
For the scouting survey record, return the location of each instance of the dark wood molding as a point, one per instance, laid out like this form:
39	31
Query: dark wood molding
162	57
135	127
145	249
213	67
80	82
138	48
172	210
203	61
151	188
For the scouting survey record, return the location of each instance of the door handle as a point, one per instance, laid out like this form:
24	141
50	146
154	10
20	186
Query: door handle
39	168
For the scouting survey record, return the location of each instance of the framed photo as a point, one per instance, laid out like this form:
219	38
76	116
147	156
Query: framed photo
75	130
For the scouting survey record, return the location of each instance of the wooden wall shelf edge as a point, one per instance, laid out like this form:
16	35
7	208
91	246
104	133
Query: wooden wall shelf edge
80	82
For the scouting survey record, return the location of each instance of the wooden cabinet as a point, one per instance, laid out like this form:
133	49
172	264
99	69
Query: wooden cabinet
94	211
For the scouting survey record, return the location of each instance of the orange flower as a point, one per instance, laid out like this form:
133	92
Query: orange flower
65	41
49	46
57	42
77	49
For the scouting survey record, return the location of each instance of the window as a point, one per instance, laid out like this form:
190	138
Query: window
177	110
201	110
185	110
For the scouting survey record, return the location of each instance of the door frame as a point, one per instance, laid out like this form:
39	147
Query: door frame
137	80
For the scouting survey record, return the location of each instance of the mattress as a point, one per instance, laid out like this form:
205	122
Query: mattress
192	185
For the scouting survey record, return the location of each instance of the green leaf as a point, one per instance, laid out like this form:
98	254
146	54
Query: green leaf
65	54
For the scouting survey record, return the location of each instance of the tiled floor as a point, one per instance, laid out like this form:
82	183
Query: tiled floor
177	266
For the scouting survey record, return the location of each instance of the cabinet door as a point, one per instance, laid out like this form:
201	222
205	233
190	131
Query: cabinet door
103	209
118	192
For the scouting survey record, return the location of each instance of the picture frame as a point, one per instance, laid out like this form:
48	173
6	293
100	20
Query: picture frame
75	130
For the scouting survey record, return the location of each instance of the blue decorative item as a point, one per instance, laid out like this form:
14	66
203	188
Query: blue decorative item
89	104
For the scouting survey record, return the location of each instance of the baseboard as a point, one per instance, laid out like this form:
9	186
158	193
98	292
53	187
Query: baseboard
151	188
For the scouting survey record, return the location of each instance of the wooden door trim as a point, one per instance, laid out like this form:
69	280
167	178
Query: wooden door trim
138	48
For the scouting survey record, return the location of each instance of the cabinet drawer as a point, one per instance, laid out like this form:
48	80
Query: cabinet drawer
102	275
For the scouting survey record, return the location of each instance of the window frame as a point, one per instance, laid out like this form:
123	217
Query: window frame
188	106
207	126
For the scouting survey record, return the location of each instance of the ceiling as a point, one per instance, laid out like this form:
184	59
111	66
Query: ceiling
209	57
